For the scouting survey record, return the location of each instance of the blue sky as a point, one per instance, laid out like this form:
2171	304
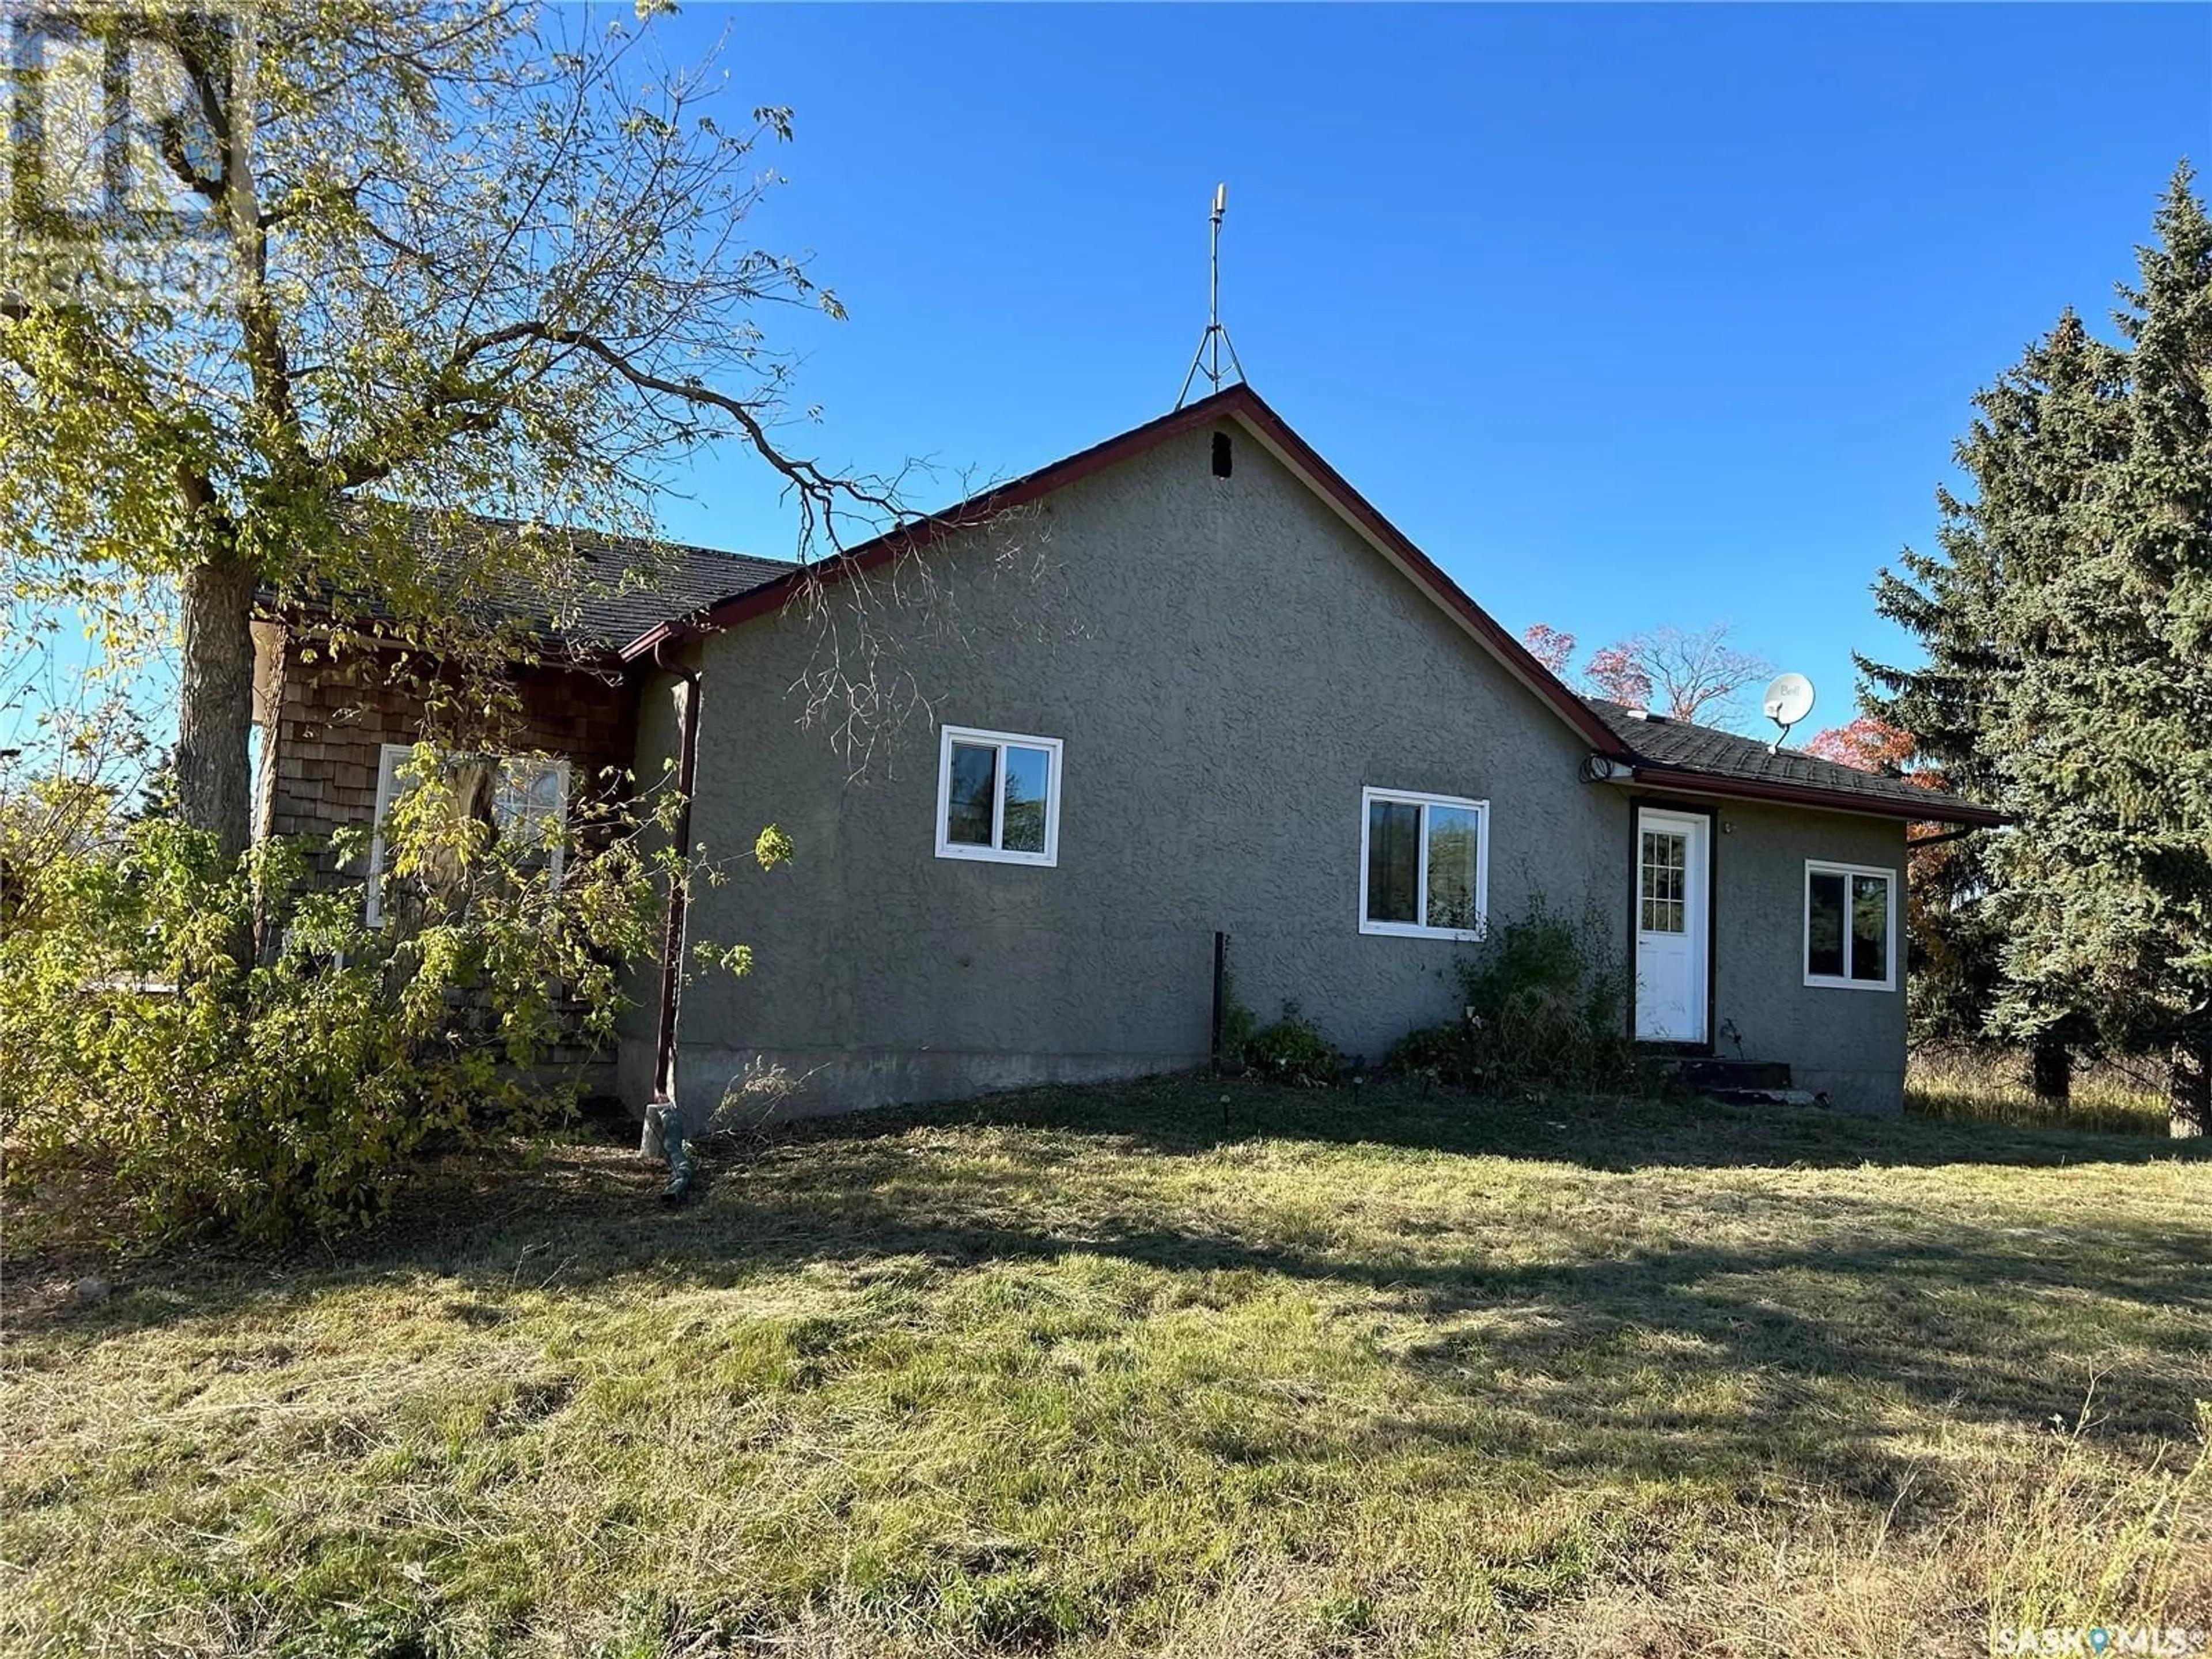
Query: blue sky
1628	315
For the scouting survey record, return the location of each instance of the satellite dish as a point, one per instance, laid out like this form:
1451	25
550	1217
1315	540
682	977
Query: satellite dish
1789	700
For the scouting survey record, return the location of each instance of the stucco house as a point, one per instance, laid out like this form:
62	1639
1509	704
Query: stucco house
1217	692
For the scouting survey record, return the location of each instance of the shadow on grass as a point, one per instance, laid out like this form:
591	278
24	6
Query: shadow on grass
1811	1347
1188	1114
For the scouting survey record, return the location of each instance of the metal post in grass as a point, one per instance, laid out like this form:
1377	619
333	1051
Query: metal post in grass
1220	993
1220	1016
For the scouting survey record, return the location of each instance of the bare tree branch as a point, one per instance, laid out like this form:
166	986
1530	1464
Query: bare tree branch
1685	675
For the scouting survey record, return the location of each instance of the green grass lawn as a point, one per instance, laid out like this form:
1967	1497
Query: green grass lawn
1134	1369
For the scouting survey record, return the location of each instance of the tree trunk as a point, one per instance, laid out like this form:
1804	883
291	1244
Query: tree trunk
214	701
2051	1071
2189	1088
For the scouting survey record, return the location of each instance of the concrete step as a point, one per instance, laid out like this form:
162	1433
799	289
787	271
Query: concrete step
1763	1096
1754	1074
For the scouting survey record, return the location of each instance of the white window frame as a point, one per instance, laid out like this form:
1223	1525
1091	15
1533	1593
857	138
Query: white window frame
1368	797
391	757
1844	981
976	738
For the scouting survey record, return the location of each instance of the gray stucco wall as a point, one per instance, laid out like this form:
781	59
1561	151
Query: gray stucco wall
1847	1044
1227	664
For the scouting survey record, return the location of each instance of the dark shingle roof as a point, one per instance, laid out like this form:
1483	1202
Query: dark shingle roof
664	582
618	586
1672	745
589	591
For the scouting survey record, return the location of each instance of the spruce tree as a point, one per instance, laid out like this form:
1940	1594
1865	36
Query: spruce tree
2067	622
2105	747
2053	417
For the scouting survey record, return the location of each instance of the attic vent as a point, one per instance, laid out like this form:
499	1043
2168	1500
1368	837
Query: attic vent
1647	714
1225	457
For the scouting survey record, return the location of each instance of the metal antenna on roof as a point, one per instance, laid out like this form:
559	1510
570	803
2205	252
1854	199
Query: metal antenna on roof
1209	343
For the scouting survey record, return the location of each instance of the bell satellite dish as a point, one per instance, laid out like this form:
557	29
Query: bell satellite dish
1789	700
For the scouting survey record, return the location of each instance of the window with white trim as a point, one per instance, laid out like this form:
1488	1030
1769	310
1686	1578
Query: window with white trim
998	797
530	800
1850	927
1423	865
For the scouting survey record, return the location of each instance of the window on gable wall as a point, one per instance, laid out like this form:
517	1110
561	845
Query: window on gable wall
529	799
1423	865
1850	927
998	797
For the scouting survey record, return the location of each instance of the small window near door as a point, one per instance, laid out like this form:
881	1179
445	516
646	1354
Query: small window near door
1423	865
1850	927
1666	884
998	797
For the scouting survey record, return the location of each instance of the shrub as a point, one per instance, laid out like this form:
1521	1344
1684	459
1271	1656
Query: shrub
1550	1004
164	1076
1444	1052
1292	1050
1546	1007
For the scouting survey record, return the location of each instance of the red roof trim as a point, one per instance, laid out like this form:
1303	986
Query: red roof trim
1239	402
1939	810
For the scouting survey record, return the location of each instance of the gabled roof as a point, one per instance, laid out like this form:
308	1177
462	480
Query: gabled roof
1710	762
1239	403
1664	753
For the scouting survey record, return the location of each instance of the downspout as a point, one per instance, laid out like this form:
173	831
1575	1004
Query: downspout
664	1121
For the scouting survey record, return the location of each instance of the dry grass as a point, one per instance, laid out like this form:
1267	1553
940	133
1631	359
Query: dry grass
1991	1085
1127	1370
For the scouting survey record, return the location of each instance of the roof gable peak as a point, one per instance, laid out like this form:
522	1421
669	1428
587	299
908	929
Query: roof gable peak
1237	402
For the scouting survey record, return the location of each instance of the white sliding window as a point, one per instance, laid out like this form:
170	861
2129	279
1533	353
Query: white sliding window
998	797
1850	927
1423	865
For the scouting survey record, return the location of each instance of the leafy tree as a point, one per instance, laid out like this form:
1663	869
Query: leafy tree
72	713
480	257
157	1086
2063	621
1613	672
1550	646
475	258
1871	744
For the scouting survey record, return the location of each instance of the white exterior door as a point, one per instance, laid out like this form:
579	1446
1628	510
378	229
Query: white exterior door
1672	939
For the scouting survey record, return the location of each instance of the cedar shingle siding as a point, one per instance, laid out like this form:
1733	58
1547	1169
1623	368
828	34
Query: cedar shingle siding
332	718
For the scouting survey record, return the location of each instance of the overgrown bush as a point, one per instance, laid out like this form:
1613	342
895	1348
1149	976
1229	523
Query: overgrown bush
1292	1050
1546	1007
164	1073
1444	1052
